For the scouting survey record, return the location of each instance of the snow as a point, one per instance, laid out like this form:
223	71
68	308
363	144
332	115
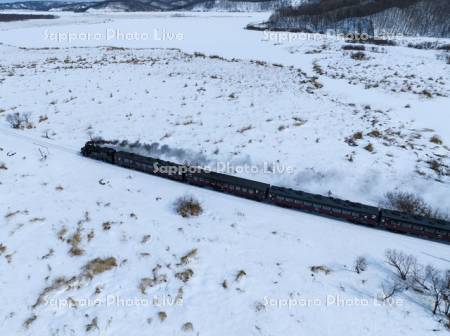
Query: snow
225	108
275	247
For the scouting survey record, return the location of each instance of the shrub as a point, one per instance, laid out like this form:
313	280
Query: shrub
19	121
358	136
406	202
353	47
162	316
412	204
188	206
375	134
437	166
359	56
436	140
369	147
185	276
360	264
188	326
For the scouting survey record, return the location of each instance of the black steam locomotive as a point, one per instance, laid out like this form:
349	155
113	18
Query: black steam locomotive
295	199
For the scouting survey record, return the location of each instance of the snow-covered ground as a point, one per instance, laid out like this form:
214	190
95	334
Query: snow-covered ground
223	95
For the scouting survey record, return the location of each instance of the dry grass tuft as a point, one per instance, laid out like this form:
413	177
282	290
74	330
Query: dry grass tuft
359	56
242	130
75	241
436	140
357	136
437	166
57	284
188	206
187	327
162	316
187	257
93	325
375	134
320	269
369	148
151	282
29	321
185	276
98	266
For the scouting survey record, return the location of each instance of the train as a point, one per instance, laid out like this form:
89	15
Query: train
356	213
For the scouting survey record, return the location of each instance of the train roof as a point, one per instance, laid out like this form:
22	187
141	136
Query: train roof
147	159
416	219
231	179
324	200
205	173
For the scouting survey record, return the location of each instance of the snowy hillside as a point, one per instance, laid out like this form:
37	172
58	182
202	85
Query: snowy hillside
87	248
151	5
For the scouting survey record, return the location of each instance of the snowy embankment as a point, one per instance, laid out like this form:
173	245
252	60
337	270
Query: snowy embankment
65	211
79	232
320	135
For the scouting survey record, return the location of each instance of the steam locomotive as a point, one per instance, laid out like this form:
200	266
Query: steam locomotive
356	213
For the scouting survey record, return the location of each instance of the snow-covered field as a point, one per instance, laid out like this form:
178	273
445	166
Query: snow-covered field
219	94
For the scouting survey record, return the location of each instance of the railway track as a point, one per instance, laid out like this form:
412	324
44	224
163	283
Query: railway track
390	220
356	213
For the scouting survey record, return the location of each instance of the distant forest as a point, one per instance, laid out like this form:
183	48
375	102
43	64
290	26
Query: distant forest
408	17
342	9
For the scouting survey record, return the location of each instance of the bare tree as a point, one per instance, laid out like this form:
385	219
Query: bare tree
437	286
390	289
360	264
402	263
418	279
446	294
